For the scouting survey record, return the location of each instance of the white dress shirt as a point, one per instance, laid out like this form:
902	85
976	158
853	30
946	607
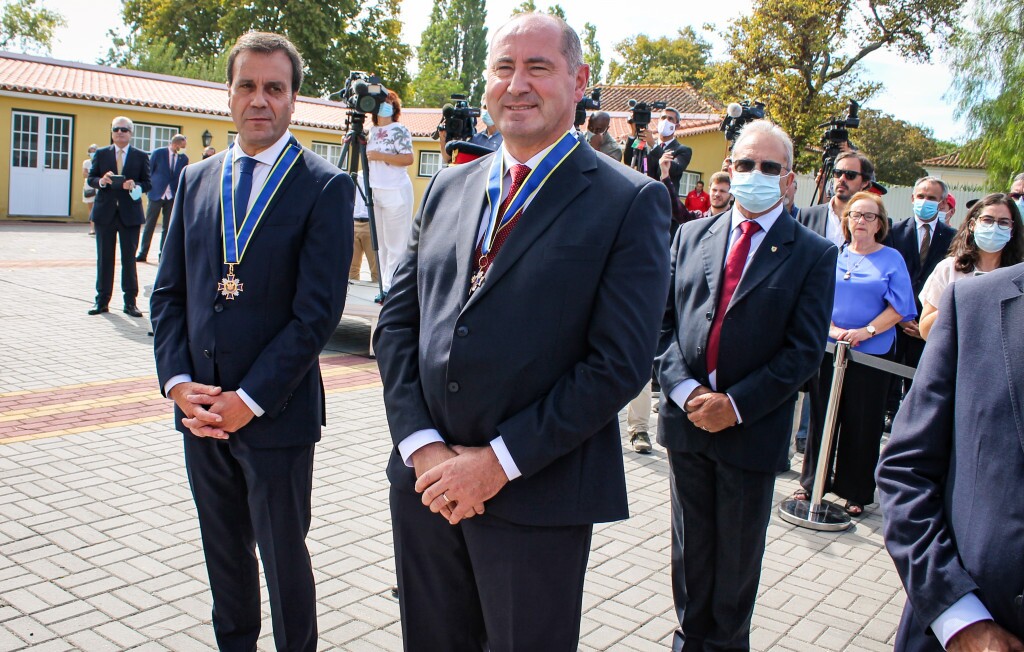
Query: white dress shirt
834	228
930	225
965	611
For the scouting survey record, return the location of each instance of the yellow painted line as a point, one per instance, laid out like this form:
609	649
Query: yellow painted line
74	406
64	388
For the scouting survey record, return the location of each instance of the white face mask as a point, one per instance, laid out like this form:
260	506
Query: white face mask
666	128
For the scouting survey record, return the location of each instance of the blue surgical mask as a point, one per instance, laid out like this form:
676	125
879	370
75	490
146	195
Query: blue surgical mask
386	110
925	209
991	239
1020	204
92	154
487	119
942	216
755	191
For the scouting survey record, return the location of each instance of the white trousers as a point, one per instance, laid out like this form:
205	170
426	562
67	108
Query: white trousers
392	208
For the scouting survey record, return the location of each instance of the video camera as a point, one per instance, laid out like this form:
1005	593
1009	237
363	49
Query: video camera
640	112
364	93
458	120
592	103
837	129
738	114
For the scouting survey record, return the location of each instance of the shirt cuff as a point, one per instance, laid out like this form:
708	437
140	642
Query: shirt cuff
253	405
965	611
682	391
416	441
176	380
505	458
735	409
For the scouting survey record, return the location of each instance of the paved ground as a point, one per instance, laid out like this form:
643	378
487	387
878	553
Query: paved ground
99	546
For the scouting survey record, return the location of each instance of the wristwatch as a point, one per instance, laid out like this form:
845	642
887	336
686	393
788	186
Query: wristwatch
871	330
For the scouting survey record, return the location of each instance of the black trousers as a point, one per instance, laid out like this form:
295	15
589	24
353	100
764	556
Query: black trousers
859	431
107	237
155	207
486	583
247	497
908	351
720	516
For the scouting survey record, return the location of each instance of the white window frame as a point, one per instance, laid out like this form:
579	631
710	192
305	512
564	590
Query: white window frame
330	152
149	136
428	168
688	182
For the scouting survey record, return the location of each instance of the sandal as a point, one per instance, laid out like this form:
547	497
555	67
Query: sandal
801	494
854	509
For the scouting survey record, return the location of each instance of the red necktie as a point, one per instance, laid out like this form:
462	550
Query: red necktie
482	262
733	272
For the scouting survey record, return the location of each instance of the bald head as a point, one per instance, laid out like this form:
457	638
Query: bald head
599	122
571	47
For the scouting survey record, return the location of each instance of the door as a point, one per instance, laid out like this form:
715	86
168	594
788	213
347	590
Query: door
40	183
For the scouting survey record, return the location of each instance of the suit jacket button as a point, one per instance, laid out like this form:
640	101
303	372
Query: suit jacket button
462	331
207	354
708	316
453	387
699	350
218	308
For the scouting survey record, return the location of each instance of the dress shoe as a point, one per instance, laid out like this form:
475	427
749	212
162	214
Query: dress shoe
97	309
641	442
132	311
140	258
801	446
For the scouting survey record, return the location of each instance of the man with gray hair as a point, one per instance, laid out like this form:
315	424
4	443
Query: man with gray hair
748	315
1017	191
165	166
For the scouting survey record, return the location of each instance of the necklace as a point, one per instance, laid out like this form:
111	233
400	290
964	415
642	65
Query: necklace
850	270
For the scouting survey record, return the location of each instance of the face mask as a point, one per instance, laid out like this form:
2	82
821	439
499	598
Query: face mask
487	119
181	151
92	154
1020	204
925	209
666	128
942	216
755	191
991	239
135	193
385	110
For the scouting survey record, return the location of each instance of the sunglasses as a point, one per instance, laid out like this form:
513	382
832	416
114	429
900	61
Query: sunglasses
123	130
849	174
769	168
1015	195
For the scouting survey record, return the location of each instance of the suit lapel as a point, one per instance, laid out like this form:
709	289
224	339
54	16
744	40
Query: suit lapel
712	252
1011	317
285	183
471	208
210	214
772	251
561	188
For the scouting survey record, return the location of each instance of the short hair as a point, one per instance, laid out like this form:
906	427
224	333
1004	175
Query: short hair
867	168
1018	177
770	129
679	116
178	138
965	250
942	185
394	101
267	43
700	182
601	115
131	125
572	49
721	177
883	216
92	147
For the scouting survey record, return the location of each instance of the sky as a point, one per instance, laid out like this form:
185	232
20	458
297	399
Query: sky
913	92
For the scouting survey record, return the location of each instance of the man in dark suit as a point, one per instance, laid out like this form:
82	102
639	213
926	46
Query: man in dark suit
923	240
656	146
949	478
120	174
852	173
505	362
165	166
239	320
746	325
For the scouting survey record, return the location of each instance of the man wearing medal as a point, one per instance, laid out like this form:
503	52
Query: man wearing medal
506	356
251	285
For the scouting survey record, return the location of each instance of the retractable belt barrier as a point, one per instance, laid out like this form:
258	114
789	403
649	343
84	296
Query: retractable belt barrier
818	513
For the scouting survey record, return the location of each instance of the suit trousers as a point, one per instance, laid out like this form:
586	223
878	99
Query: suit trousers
908	351
107	237
154	208
858	428
486	583
247	497
362	244
720	516
638	412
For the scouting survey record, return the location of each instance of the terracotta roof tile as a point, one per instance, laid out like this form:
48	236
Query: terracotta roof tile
971	157
682	97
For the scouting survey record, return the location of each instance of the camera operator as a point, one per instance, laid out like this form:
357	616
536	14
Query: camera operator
597	135
489	137
852	173
656	146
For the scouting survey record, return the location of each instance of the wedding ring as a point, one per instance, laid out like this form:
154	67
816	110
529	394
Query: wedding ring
446	501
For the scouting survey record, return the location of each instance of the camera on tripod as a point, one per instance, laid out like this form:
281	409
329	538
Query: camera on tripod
737	115
364	93
592	103
640	112
837	129
458	120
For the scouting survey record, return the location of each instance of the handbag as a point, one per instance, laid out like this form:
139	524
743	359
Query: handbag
89	192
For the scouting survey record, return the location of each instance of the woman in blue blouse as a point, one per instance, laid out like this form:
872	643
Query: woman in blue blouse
873	294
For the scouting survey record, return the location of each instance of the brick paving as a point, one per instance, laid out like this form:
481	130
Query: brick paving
99	545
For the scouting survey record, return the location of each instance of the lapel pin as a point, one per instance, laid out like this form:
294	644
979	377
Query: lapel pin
774	248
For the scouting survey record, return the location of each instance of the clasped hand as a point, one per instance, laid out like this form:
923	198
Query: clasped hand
709	410
456	481
209	411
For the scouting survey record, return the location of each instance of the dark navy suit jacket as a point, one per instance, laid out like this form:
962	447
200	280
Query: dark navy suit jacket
561	335
950	476
161	173
773	337
111	201
903	238
815	218
294	277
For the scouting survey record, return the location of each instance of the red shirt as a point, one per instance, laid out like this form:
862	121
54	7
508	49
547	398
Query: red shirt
698	201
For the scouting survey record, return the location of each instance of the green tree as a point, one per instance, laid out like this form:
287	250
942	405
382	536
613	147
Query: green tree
526	7
896	147
989	82
452	53
801	56
334	36
27	26
664	60
556	10
592	53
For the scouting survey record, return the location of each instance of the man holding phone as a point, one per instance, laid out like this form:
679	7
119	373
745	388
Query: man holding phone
120	174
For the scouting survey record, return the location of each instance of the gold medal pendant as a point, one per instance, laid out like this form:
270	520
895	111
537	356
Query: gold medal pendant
478	278
230	286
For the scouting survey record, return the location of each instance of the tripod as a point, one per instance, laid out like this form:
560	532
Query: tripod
828	165
353	155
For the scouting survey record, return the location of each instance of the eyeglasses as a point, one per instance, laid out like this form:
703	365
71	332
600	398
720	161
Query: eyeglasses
123	130
1015	195
867	217
770	168
1004	223
849	174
